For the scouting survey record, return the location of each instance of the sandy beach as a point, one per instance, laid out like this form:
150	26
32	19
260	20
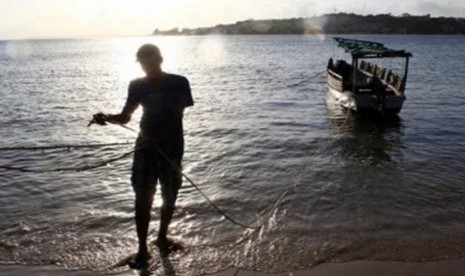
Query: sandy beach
355	268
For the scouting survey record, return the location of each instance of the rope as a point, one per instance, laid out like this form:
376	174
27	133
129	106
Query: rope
63	146
319	74
104	163
224	214
218	209
68	169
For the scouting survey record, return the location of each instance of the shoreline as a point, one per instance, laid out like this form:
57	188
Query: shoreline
453	267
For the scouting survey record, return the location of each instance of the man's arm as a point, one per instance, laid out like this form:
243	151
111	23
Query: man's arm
124	117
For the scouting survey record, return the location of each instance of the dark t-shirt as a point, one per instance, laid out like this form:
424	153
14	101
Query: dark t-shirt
162	101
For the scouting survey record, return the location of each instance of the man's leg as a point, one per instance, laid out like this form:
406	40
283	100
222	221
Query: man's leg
142	207
171	181
144	179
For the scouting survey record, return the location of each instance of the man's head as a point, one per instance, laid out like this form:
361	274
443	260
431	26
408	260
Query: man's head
149	53
149	57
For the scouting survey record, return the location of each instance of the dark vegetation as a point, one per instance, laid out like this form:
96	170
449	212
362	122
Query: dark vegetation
340	23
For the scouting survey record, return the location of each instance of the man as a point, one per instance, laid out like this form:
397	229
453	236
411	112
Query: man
160	145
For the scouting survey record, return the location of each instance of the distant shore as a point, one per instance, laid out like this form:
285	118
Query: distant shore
355	268
338	23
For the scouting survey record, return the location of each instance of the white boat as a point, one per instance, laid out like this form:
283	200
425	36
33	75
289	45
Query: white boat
363	86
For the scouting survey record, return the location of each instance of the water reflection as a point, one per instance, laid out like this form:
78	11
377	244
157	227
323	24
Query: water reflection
365	140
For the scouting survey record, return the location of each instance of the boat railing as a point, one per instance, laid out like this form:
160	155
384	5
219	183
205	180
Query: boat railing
363	65
390	79
335	80
395	81
379	72
367	67
340	73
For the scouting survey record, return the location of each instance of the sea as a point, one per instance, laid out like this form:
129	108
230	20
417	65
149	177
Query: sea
314	182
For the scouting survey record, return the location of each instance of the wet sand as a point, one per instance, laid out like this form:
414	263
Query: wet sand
355	268
369	268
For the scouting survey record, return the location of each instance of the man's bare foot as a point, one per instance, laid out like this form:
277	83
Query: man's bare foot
140	261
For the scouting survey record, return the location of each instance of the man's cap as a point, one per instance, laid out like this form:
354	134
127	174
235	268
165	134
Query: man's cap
148	53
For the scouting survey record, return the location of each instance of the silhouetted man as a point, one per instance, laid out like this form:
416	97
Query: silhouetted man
160	145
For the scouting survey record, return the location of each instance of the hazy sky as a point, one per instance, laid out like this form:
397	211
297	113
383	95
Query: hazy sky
79	18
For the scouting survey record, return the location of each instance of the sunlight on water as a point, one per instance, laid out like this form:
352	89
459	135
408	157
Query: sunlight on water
211	51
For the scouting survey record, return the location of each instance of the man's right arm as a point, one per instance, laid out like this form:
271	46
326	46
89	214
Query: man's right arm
132	102
121	118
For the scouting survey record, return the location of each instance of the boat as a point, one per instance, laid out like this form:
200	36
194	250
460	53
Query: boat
363	85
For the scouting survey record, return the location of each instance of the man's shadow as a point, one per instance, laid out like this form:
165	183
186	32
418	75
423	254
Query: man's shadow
168	268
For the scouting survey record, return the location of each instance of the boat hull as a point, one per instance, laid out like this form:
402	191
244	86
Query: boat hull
361	103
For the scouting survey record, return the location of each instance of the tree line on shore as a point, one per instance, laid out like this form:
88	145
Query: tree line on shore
336	23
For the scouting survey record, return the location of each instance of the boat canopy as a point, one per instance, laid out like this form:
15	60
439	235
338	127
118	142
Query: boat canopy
368	49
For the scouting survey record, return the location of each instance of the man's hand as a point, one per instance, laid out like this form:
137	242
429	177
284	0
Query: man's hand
99	118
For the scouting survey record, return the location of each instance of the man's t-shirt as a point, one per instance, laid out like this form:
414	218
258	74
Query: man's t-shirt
161	100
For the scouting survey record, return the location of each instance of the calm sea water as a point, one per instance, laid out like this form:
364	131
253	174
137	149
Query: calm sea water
261	125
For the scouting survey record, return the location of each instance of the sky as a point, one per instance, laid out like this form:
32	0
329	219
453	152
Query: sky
20	19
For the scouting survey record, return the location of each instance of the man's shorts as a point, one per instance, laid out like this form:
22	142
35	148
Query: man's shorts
148	168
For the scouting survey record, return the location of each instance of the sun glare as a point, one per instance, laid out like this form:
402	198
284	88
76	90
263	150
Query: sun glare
123	52
18	49
211	50
315	27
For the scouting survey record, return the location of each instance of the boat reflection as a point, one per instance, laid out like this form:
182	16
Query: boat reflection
365	140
